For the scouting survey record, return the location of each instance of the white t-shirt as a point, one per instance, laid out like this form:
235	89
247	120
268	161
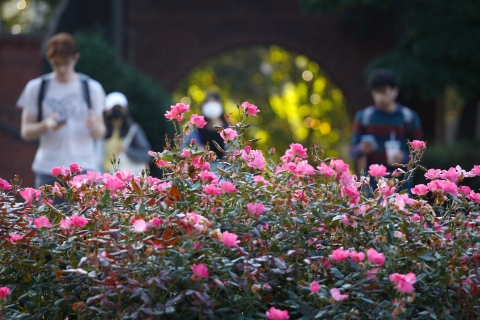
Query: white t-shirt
74	142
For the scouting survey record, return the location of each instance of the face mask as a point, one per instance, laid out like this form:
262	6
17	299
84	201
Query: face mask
117	114
212	109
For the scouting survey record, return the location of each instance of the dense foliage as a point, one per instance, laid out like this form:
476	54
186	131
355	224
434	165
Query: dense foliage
248	239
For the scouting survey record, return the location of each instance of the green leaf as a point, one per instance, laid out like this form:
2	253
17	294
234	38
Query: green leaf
336	273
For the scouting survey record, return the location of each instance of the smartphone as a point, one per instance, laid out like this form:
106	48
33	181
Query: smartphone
62	121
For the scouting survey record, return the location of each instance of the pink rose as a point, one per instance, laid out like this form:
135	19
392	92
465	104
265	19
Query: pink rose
314	287
420	190
475	170
75	168
432	174
200	270
60	172
326	170
418	145
177	112
156	222
15	237
375	257
337	295
250	109
4	185
357	256
228	187
277	314
228	134
112	183
230	239
340	254
377	170
30	195
255	208
139	226
197	121
4	292
212	190
42	222
208	177
296	150
404	282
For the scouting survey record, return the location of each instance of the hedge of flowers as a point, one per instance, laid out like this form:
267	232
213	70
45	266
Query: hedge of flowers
250	239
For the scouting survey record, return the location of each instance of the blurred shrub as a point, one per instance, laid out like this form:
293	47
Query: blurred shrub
148	100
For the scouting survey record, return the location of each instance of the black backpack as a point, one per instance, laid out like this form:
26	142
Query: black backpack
43	90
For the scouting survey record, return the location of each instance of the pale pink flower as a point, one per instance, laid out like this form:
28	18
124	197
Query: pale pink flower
125	175
433	174
314	286
250	109
296	150
156	222
340	254
352	192
435	186
230	239
339	166
418	145
260	180
404	282
4	185
30	195
372	273
326	170
228	134
476	170
4	292
304	168
357	256
420	190
14	237
161	187
60	172
75	168
475	197
112	183
228	187
197	121
277	314
208	176
93	176
255	208
42	222
416	217
256	160
212	190
139	226
450	187
375	257
451	174
377	170
200	270
337	295
177	112
347	179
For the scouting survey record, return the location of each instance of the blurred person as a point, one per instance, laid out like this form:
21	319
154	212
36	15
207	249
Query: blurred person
64	109
380	132
124	139
213	112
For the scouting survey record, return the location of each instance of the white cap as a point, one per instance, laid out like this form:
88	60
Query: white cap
115	99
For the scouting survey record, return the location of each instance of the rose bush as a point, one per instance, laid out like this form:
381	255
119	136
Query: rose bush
250	239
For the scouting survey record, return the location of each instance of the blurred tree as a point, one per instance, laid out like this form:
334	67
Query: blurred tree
148	101
26	16
437	49
298	102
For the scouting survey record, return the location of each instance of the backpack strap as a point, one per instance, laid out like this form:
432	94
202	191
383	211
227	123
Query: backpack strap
366	116
85	90
41	96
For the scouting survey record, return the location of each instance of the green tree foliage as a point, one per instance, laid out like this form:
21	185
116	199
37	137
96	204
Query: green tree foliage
438	45
298	102
148	101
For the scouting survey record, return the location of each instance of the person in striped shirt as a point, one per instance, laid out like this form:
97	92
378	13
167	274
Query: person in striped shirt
375	127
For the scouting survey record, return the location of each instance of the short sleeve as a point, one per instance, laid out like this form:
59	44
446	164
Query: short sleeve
29	98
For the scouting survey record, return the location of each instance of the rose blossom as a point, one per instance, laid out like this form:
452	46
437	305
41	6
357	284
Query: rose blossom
255	208
15	237
420	190
340	254
418	145
30	195
314	287
228	187
228	134
199	270
250	109
230	239
139	225
337	295
404	282
4	292
42	222
197	121
277	314
4	185
377	170
375	257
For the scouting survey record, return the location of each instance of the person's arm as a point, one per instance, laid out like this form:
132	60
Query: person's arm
32	130
139	147
96	124
355	150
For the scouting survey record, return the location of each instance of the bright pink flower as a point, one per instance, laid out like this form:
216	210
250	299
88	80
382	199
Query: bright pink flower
420	190
42	222
75	168
255	208
435	186
163	186
303	168
93	176
60	172
78	221
476	170
156	222
125	175
450	187
326	170
377	170
347	179
404	282
228	134
4	292
314	286
352	192
277	314
162	163
433	174
296	150
256	159
4	185
465	190
250	109
416	217
337	295
372	273
177	112
230	239
197	121
208	177
418	145
112	183
261	180
30	195
475	197
212	190
139	226
200	270
340	254
14	237
451	174
339	166
375	257
228	187
357	256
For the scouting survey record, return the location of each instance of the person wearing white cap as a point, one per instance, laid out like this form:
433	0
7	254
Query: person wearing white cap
124	138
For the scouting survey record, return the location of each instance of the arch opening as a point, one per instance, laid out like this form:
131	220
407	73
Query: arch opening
298	101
